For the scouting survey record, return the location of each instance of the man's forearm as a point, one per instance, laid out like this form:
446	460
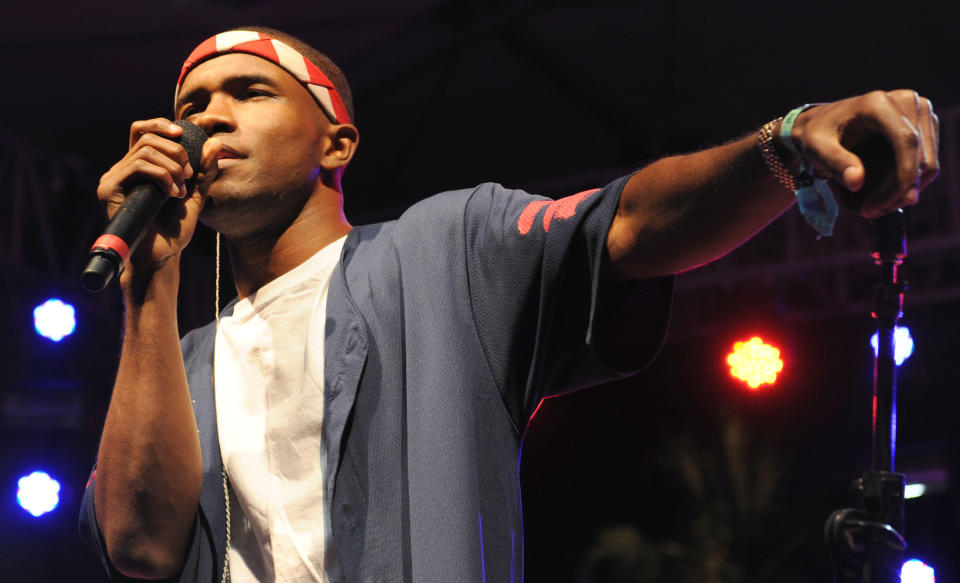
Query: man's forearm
149	469
683	211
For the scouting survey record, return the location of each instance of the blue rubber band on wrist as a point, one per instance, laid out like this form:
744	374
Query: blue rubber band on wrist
816	202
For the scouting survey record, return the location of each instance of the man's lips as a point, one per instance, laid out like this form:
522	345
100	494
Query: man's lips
228	153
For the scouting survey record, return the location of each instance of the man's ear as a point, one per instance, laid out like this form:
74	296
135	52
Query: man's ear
339	144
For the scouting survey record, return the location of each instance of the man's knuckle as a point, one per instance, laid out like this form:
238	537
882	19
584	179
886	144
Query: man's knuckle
876	100
138	129
908	136
904	97
144	167
876	105
179	153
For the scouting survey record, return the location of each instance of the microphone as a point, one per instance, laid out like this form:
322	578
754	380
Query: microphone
111	250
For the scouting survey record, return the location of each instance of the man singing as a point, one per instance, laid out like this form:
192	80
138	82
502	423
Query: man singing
356	413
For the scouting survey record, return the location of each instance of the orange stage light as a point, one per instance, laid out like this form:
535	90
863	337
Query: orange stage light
754	362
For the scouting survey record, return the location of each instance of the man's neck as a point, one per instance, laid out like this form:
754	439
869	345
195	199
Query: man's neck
259	260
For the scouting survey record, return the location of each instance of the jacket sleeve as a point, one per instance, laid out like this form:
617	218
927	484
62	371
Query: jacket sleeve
546	322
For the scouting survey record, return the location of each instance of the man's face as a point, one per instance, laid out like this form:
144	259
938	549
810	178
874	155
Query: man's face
271	131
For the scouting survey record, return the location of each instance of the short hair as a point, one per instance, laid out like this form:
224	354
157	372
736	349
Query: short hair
322	61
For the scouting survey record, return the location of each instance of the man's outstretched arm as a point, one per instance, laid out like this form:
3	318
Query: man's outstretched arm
683	211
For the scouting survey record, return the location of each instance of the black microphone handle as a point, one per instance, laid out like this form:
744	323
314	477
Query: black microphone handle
128	225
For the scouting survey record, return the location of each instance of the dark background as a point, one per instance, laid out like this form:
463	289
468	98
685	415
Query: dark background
679	470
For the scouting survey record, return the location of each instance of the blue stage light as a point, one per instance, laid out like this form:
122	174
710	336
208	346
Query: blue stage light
916	571
902	344
54	319
38	493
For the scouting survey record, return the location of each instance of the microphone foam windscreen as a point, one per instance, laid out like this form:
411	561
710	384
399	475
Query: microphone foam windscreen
192	140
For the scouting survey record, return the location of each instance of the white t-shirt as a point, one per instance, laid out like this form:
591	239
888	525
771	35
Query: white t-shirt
268	379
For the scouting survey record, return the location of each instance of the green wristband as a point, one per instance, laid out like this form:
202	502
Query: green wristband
786	128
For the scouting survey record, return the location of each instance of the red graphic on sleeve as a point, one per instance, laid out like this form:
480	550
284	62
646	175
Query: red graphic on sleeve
529	213
90	479
562	210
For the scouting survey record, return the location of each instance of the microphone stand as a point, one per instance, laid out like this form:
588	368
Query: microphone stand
867	542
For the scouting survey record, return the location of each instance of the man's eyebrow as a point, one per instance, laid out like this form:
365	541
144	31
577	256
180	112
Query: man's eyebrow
234	81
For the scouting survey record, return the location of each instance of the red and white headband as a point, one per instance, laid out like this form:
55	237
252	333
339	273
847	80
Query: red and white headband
277	52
